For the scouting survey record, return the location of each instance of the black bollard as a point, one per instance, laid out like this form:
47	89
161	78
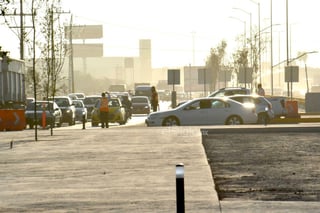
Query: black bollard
83	121
180	188
11	144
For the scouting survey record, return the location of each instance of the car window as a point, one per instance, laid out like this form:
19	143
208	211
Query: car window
139	100
248	100
193	106
113	103
205	104
62	102
90	100
39	106
78	104
216	104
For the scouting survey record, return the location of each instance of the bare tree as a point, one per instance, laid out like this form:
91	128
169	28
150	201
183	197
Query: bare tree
49	41
214	63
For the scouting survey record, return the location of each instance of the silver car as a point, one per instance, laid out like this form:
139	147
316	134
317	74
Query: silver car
205	111
262	105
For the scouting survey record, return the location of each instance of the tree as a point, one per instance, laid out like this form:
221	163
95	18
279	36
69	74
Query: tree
52	47
214	62
49	42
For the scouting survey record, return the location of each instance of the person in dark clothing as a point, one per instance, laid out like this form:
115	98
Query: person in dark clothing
128	106
154	99
104	111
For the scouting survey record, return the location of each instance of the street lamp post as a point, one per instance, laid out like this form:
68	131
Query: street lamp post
235	8
271	50
244	30
259	45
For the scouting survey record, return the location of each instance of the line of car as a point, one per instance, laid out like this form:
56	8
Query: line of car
78	107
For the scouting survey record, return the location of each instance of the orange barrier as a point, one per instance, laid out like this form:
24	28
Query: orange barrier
12	119
292	108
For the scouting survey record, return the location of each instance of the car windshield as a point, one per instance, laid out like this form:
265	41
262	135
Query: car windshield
91	100
39	106
62	102
139	100
113	103
80	96
78	104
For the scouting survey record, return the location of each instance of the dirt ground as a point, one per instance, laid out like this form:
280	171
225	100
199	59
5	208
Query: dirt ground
269	166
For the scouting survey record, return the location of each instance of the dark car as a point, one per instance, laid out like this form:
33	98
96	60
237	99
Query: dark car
89	102
140	105
81	110
53	114
67	108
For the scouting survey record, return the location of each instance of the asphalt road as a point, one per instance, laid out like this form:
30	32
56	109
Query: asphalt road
271	165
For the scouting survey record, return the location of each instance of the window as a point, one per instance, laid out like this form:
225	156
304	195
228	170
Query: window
218	104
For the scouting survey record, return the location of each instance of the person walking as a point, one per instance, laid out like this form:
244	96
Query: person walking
104	111
154	99
260	90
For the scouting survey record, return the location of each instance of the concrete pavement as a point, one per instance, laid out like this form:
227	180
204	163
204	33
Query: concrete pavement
128	169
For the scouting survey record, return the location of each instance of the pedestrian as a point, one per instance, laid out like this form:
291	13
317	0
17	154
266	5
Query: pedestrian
260	90
104	111
154	99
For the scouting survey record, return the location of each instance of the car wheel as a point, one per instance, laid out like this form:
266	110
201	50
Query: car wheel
234	120
59	123
171	121
263	118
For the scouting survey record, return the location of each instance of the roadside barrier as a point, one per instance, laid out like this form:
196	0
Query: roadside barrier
292	109
12	119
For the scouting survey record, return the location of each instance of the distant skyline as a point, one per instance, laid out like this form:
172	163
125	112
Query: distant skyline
182	32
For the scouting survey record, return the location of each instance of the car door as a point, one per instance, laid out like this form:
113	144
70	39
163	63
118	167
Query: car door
218	112
195	113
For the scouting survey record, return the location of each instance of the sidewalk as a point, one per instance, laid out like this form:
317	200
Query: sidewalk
104	170
129	169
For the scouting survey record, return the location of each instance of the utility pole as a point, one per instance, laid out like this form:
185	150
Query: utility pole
71	71
21	32
21	27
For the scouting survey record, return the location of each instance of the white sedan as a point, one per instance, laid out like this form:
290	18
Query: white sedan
205	111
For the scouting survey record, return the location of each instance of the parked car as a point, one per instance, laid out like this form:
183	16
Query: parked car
89	102
278	105
205	111
117	112
51	109
228	91
67	108
140	105
125	99
262	105
81	110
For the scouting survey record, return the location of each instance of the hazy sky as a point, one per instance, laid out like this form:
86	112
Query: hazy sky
183	31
